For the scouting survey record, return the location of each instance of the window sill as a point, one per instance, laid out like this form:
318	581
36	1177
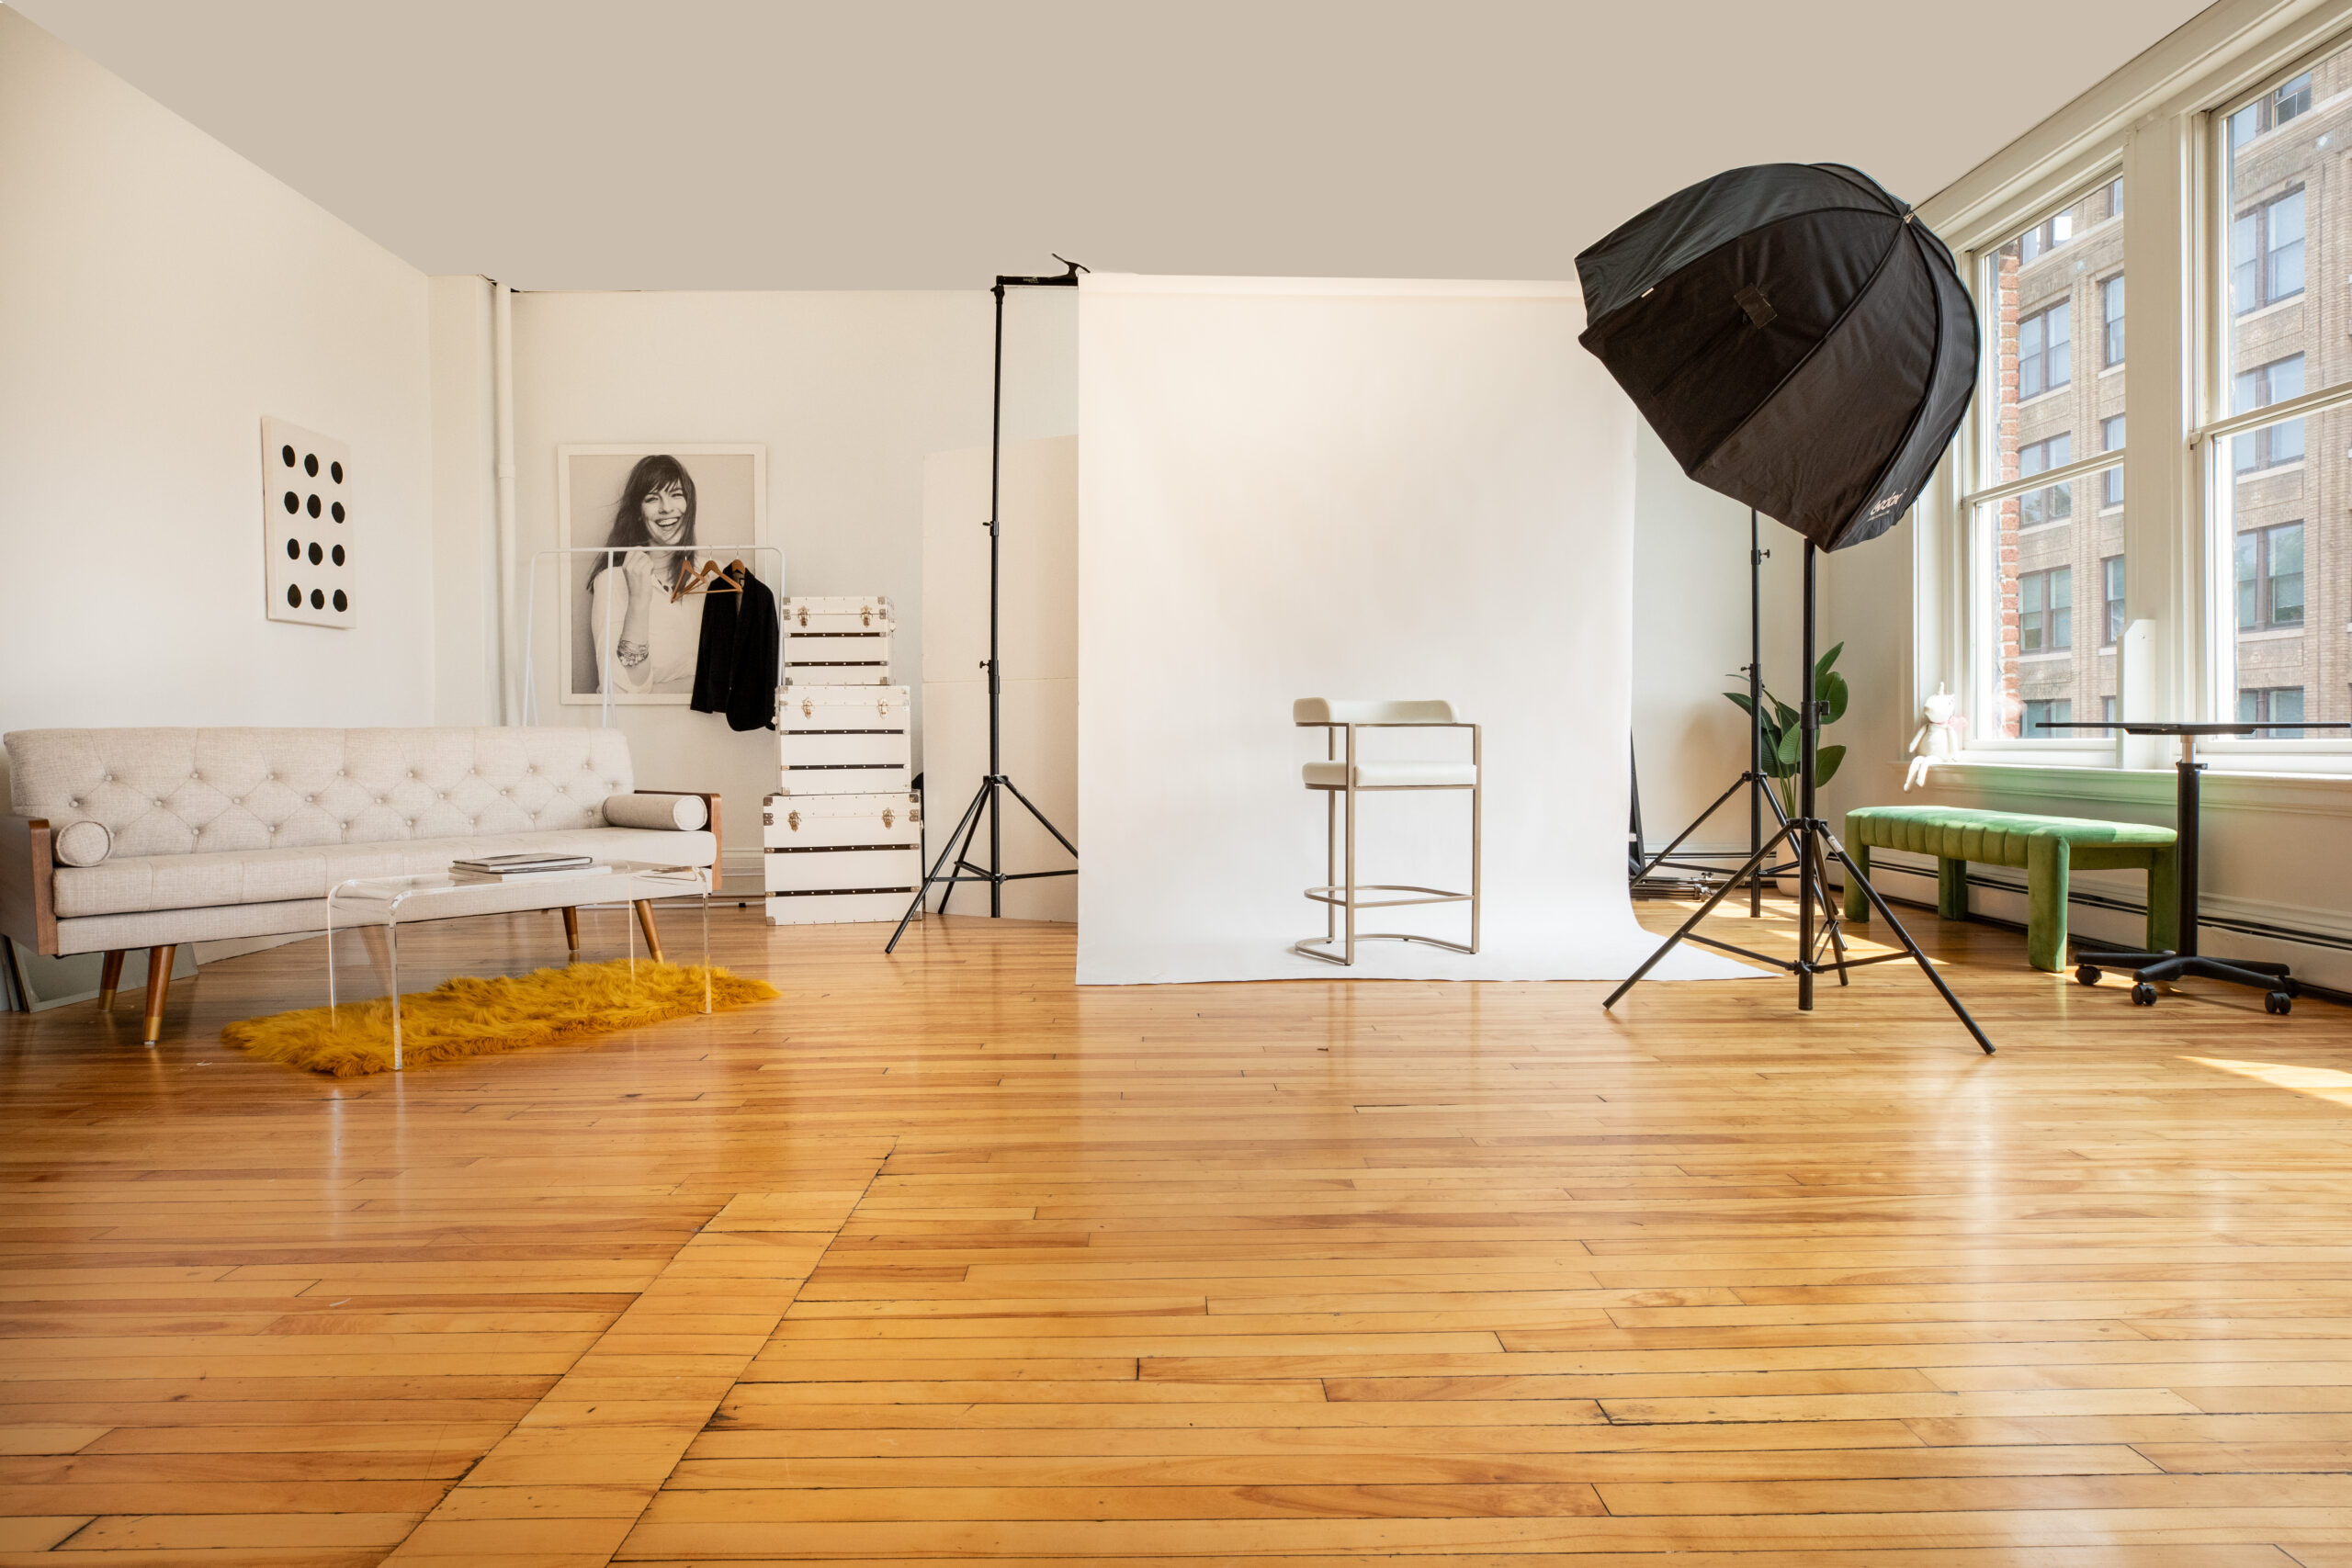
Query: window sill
2054	655
2247	476
2276	307
2242	783
2271	633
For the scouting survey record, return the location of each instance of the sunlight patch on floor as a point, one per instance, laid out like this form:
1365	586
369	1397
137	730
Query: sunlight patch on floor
2326	1083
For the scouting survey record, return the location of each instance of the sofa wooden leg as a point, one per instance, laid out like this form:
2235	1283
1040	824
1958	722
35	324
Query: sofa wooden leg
109	978
652	937
572	930
159	982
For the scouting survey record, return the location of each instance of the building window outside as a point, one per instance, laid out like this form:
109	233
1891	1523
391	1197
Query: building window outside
2046	351
2258	388
2038	712
2270	578
2110	304
2056	503
2272	705
2266	252
2110	439
2111	572
2046	236
2046	610
2106	709
2272	110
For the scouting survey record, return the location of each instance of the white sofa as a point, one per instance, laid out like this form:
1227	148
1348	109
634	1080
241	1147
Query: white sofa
150	838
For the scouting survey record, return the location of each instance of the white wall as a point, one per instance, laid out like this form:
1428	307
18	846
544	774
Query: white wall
850	392
158	296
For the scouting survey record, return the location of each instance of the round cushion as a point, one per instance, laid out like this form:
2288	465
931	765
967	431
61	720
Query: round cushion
682	812
86	842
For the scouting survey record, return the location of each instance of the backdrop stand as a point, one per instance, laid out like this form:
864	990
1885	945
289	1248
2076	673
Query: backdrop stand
987	800
1645	866
1812	841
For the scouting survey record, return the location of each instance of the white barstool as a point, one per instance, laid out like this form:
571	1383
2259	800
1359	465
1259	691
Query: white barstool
1343	777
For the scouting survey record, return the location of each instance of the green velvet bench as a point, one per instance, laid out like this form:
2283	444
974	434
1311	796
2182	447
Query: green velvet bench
2046	847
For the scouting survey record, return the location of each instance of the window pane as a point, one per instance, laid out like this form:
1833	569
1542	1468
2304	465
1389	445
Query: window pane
2069	269
2111	572
2282	508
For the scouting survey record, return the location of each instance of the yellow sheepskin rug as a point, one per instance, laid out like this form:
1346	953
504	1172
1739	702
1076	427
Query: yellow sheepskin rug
467	1017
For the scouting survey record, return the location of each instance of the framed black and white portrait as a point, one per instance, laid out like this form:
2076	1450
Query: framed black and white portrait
653	513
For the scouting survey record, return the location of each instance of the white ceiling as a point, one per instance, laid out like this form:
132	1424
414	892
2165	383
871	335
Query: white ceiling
924	144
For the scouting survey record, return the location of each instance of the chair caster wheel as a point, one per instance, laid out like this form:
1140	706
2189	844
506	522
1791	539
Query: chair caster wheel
2279	1002
2144	995
2087	974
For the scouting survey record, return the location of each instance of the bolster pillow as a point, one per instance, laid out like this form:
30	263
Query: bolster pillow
87	843
683	813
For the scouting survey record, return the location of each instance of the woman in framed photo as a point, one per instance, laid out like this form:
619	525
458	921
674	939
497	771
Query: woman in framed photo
646	639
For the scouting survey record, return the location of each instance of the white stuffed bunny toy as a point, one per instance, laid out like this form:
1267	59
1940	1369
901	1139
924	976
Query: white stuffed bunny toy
1939	737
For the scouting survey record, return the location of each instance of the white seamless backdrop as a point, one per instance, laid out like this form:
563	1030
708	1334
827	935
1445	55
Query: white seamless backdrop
1350	489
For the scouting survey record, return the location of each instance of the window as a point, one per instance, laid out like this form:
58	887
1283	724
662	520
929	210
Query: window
2272	110
2039	711
2266	704
2270	578
2258	388
2046	236
2028	549
2046	610
2056	503
2111	572
2045	352
2106	709
2266	252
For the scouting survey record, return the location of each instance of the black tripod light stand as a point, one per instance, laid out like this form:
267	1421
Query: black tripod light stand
987	800
1755	781
1808	836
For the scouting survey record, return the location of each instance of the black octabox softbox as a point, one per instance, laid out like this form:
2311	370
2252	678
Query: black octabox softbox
1798	340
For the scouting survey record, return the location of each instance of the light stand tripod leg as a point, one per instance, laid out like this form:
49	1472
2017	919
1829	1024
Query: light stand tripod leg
1690	925
1909	946
937	866
1042	820
1658	859
986	799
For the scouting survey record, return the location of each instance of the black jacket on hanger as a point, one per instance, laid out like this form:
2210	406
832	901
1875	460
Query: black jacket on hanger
735	667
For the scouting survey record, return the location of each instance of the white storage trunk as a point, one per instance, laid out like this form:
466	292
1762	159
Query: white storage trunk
836	858
838	613
848	658
812	706
843	740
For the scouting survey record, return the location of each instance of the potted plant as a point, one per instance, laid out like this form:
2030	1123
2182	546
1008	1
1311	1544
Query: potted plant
1784	737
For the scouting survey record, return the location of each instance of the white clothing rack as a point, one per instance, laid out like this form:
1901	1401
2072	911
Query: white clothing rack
604	669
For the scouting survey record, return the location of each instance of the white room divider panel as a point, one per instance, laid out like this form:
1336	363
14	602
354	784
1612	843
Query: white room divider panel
1350	489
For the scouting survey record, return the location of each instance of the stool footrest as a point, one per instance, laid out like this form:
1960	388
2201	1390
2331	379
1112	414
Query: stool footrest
1307	949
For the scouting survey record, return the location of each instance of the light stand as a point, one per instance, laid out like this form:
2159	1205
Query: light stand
987	800
1755	780
1810	837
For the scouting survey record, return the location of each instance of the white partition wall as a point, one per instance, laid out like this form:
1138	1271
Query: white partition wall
1350	489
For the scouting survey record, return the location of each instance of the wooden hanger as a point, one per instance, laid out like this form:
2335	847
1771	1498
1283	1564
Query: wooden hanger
710	578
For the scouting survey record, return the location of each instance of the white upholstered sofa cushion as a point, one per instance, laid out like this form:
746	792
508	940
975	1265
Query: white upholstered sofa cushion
132	883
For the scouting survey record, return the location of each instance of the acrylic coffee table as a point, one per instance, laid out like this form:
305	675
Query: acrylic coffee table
394	901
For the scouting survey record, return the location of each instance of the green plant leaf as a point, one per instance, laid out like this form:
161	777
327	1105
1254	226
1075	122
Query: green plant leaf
1821	665
1792	743
1739	701
1825	763
1787	715
1831	689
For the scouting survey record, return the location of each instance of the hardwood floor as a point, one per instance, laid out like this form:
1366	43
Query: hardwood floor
940	1257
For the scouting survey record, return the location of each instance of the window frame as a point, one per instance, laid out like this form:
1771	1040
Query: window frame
2112	333
2041	355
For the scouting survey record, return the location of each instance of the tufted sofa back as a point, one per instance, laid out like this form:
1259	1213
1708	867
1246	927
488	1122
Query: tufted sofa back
164	792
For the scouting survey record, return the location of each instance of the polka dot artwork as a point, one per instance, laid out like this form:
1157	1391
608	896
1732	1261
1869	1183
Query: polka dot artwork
308	512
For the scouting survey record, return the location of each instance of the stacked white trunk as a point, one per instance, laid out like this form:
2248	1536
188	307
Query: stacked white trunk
843	834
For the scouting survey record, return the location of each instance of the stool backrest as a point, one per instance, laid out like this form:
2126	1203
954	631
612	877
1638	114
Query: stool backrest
1329	710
